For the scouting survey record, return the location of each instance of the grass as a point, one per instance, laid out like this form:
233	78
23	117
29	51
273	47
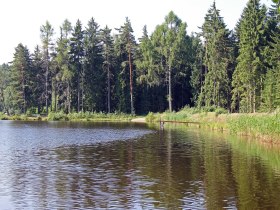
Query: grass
89	116
266	126
262	126
81	116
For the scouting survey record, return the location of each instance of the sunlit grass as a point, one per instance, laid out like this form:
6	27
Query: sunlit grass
89	116
264	126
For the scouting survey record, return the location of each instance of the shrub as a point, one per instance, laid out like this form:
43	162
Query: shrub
152	117
57	116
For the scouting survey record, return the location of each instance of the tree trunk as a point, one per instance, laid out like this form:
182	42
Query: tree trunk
109	90
68	97
169	89
78	91
131	82
82	90
23	89
46	85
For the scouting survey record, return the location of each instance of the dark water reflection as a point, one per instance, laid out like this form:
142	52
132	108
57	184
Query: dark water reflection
129	166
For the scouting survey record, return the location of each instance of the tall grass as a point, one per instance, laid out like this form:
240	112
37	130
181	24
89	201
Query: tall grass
89	116
264	126
186	114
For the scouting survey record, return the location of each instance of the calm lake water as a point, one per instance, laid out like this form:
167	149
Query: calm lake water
63	165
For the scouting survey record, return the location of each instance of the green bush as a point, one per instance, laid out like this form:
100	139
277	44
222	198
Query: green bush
220	110
152	117
3	116
57	116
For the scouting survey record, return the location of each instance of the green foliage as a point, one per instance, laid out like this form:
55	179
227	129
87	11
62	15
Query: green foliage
89	116
3	116
152	117
58	116
255	125
249	73
125	46
20	80
76	60
220	110
94	75
47	33
180	116
91	72
218	60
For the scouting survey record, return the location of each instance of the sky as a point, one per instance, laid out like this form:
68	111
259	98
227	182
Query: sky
20	20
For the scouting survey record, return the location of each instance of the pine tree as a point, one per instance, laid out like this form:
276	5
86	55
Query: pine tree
47	32
127	46
249	73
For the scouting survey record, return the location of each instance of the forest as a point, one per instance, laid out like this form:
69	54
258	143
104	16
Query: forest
90	69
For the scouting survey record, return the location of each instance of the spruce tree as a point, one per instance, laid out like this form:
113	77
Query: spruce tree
77	60
249	73
4	82
38	78
218	53
108	61
198	69
94	74
271	53
20	79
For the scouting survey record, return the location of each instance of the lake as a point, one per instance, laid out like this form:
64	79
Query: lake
70	165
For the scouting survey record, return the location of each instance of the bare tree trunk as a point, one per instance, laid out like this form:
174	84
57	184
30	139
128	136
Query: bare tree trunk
78	91
169	89
46	85
109	89
68	97
82	90
131	81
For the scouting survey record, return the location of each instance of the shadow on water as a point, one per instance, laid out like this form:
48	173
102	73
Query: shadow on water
132	166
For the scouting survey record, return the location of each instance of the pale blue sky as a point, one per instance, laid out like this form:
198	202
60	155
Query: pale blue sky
20	20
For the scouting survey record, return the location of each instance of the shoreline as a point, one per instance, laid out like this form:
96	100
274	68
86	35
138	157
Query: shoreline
261	126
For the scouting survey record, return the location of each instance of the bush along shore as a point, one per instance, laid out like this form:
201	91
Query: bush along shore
262	126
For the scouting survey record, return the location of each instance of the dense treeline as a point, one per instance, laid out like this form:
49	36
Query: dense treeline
89	69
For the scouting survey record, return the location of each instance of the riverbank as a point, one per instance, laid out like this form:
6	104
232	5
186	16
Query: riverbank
262	126
82	116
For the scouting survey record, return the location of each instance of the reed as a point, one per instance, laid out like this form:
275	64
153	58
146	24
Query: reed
263	126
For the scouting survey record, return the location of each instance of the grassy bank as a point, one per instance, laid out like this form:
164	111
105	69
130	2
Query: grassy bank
260	125
60	116
90	116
